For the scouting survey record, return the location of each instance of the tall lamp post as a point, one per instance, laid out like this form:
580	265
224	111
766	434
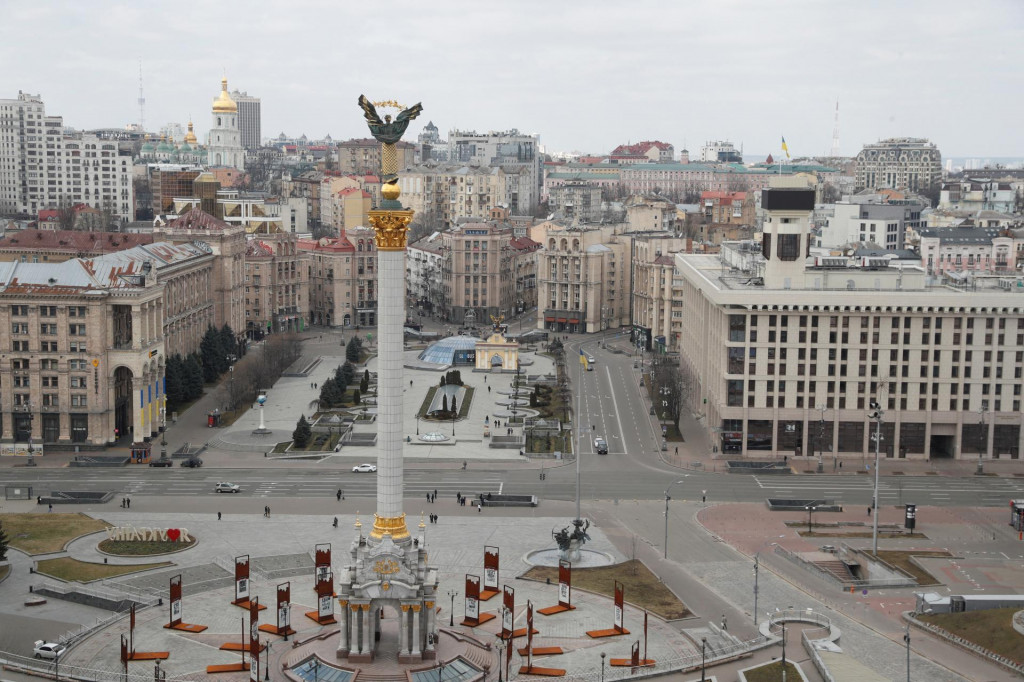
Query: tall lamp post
982	436
821	438
603	654
703	657
876	413
451	613
667	498
810	510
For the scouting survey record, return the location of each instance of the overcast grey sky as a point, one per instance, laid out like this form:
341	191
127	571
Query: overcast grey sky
585	75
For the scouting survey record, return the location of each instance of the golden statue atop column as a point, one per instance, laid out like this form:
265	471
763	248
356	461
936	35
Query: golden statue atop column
390	222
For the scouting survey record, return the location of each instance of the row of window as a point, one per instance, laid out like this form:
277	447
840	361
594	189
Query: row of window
49	310
25	381
48	347
48	329
52	400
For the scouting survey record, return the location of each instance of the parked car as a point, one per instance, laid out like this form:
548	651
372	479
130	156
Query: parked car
364	469
227	488
600	446
44	649
162	462
192	462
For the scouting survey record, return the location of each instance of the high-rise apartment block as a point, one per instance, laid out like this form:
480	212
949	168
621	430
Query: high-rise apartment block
249	119
43	165
899	163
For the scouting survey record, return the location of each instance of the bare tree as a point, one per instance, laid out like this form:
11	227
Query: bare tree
65	214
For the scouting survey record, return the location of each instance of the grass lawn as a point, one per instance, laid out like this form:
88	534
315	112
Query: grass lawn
991	629
772	672
44	533
69	569
142	548
901	559
641	586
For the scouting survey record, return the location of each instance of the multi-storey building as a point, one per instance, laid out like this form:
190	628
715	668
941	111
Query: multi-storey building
362	156
168	181
872	219
364	276
899	163
957	252
980	195
83	352
186	271
478	272
512	151
650	212
728	207
227	244
655	307
583	277
43	165
643	152
250	119
444	194
276	285
525	255
786	357
331	268
225	140
575	200
423	267
720	151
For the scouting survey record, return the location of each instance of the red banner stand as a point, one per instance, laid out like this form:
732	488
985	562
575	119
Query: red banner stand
322	564
564	591
231	646
252	641
530	650
130	654
530	668
634	660
617	620
243	584
176	609
324	615
283	627
473	616
491	574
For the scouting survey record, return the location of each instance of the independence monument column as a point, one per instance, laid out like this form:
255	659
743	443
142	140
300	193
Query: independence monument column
390	223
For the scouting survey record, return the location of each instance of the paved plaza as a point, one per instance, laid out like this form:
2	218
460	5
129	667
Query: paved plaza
291	397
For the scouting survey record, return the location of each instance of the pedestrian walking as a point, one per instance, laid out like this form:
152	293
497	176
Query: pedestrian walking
869	511
218	516
677	449
428	498
703	496
316	385
339	495
479	507
49	509
436	517
488	389
129	500
725	626
268	512
435	493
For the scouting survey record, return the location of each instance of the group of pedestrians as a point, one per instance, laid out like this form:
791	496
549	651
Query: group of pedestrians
434	518
432	497
266	512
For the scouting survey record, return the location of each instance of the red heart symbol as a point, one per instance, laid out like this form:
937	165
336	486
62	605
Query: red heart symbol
173	534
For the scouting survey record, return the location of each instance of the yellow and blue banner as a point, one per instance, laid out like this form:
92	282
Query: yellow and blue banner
784	147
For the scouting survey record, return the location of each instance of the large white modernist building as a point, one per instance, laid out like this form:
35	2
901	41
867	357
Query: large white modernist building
786	355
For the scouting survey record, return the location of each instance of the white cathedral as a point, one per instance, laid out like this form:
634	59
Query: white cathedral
224	147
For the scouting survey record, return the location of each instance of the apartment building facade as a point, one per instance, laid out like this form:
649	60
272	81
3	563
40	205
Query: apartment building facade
276	286
908	163
478	272
342	279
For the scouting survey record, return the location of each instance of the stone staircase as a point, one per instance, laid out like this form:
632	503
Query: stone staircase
837	569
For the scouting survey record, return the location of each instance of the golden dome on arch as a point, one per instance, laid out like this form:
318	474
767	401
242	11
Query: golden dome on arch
224	104
190	136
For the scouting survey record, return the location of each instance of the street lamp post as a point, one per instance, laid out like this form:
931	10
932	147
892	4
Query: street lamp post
603	654
810	510
906	638
876	413
703	657
501	655
982	437
821	437
667	498
451	613
266	673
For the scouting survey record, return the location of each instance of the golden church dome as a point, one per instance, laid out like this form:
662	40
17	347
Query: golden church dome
190	136
224	104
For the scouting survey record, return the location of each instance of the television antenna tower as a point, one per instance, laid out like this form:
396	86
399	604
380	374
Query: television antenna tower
142	102
835	134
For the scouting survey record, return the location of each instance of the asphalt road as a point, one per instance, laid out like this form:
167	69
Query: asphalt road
599	482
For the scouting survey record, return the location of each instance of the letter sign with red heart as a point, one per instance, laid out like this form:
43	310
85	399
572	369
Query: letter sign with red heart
173	534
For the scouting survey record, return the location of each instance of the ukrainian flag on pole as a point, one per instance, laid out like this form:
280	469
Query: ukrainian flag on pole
784	147
583	359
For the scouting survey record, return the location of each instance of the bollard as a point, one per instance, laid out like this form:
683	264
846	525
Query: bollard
104	559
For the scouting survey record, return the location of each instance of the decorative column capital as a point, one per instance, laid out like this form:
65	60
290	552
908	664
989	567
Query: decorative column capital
390	228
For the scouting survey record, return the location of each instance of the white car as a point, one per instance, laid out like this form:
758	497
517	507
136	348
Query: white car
49	649
364	469
227	488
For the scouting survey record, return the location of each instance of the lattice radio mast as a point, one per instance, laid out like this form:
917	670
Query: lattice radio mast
835	134
142	102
